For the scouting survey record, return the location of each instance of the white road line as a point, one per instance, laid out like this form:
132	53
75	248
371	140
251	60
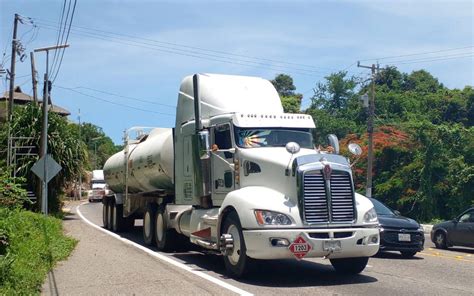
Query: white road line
165	258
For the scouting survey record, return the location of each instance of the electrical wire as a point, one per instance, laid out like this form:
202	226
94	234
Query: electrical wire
194	48
99	34
429	60
194	55
416	54
111	102
67	38
125	97
59	32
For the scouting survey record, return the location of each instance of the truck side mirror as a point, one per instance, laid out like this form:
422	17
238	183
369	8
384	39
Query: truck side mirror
334	142
204	144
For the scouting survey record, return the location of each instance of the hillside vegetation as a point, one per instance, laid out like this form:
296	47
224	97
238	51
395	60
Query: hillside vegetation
423	137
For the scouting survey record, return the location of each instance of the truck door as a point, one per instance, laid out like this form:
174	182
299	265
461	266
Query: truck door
222	174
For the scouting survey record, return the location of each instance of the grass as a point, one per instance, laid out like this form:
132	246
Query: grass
30	246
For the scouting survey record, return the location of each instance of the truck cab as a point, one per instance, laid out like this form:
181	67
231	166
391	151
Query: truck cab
238	176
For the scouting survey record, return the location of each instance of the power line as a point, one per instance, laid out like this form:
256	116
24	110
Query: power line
60	30
194	48
194	55
416	54
67	37
429	60
125	97
113	103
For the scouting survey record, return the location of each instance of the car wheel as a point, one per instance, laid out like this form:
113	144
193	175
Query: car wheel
105	214
350	265
408	254
149	224
236	262
440	240
165	238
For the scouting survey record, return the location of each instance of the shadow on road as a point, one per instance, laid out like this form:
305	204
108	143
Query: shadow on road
395	255
270	273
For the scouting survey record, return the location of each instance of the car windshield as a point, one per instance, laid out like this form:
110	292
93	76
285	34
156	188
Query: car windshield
380	208
272	137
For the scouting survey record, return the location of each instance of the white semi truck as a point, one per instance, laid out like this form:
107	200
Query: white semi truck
240	177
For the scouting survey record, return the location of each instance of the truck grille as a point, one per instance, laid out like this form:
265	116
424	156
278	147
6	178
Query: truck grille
318	208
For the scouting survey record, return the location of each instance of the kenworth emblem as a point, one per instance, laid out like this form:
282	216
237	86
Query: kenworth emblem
327	172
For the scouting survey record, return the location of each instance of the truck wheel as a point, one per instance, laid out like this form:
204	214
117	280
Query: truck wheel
118	222
350	265
165	238
105	214
236	262
110	213
149	224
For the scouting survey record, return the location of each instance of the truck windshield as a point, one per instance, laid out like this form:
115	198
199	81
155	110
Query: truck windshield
272	137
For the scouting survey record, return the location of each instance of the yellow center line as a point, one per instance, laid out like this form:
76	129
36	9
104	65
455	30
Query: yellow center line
456	258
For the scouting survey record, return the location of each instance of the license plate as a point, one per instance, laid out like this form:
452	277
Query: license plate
404	237
332	245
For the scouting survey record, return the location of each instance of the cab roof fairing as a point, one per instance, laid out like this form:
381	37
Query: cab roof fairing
221	94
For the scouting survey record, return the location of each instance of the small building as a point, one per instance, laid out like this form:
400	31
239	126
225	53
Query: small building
21	99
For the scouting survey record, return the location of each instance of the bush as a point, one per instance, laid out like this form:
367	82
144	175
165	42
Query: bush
30	246
11	193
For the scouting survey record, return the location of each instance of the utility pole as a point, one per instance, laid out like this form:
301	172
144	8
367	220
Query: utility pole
12	66
80	170
44	132
370	128
12	87
33	77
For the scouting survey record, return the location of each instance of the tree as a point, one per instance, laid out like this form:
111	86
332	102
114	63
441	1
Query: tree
63	145
290	100
334	95
99	146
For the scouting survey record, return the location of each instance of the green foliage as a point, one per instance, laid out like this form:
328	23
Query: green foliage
290	100
30	245
63	145
12	195
424	138
284	85
99	146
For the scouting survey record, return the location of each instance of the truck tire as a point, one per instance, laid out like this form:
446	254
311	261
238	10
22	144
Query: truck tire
149	224
104	213
350	265
118	221
165	238
110	213
237	263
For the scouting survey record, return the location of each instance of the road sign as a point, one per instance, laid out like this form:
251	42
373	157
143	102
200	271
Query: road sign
300	247
46	168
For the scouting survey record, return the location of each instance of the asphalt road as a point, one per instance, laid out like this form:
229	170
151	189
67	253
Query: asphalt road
430	272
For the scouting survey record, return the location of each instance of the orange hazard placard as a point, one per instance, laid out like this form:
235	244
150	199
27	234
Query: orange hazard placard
300	247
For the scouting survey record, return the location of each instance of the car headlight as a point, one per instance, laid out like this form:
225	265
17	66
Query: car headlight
420	229
370	216
271	218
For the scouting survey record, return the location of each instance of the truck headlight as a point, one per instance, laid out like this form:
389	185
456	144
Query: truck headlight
271	218
370	216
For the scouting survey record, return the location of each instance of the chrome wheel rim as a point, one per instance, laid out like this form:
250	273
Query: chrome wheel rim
114	219
234	256
440	239
159	227
147	224
104	215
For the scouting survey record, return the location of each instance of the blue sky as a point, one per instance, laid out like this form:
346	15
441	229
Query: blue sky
305	39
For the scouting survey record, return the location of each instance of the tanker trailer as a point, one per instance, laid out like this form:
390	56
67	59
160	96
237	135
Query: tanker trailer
239	177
